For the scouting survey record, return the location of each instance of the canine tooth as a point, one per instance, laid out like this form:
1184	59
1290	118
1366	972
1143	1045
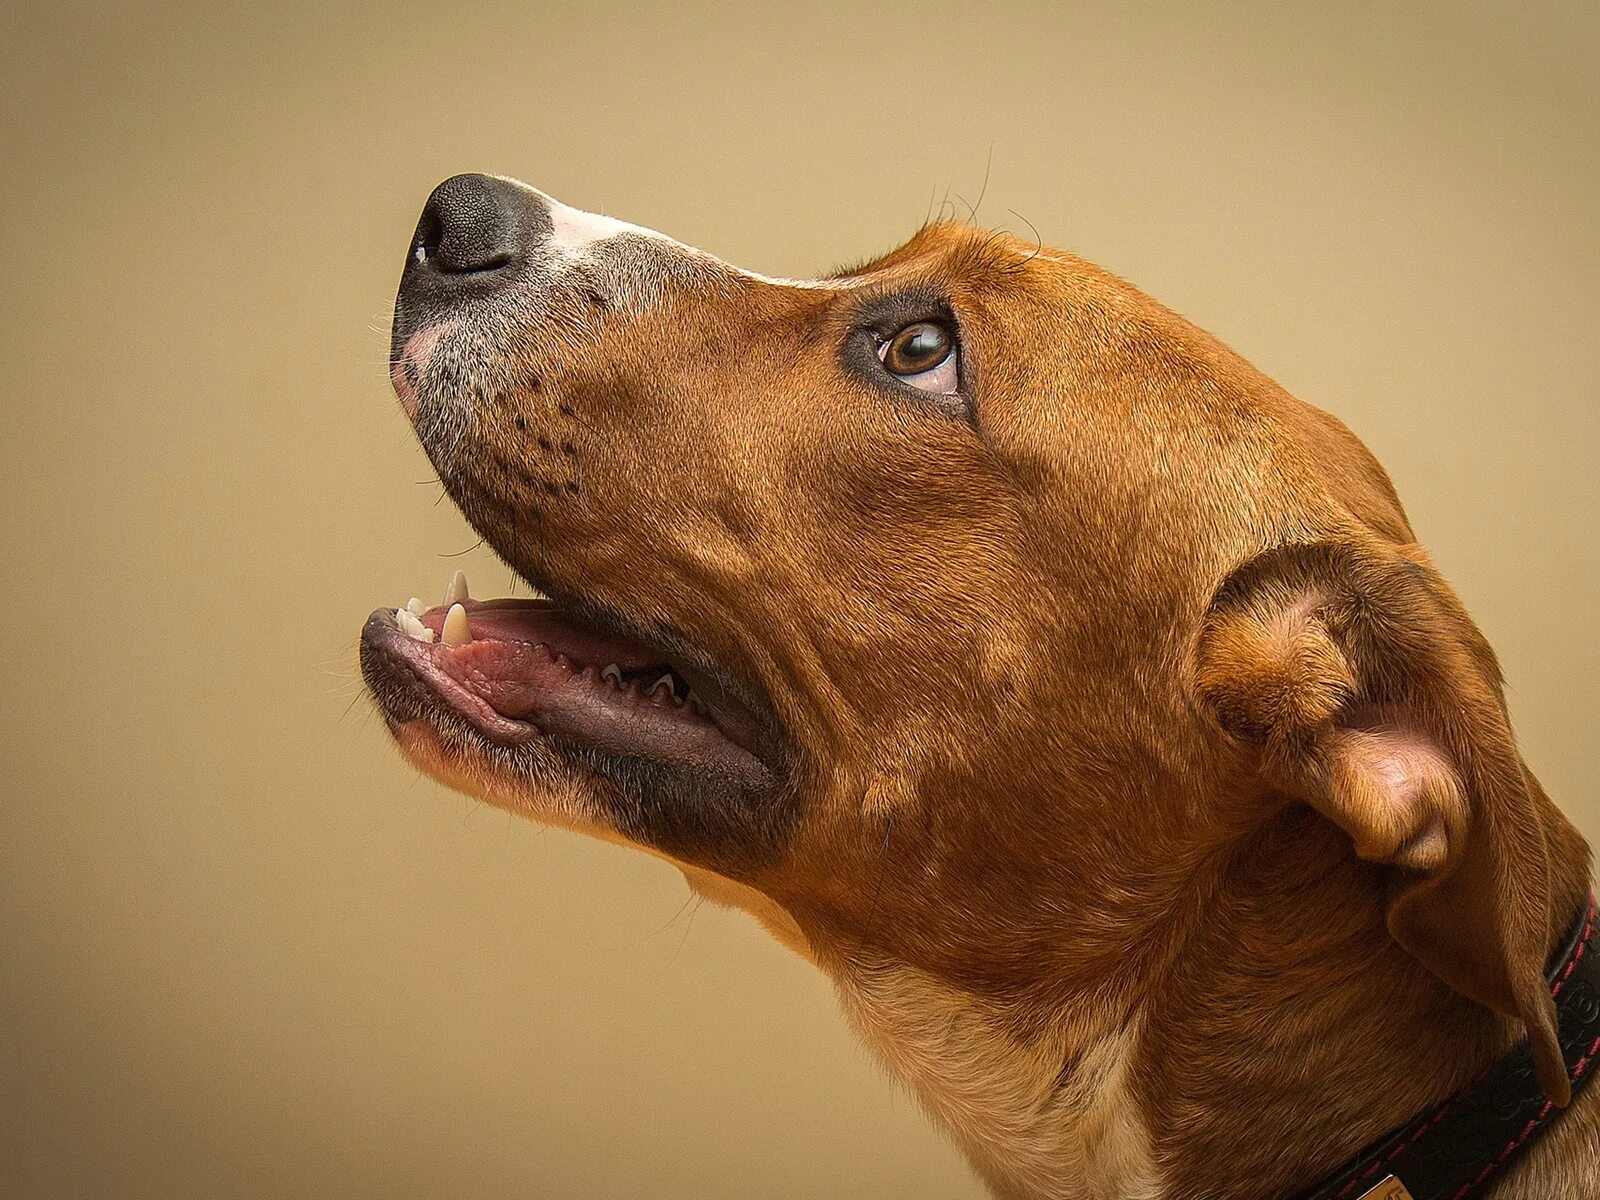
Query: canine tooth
416	607
456	590
456	630
613	674
672	692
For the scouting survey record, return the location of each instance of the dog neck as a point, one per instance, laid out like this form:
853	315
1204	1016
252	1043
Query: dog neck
1282	1032
1054	1114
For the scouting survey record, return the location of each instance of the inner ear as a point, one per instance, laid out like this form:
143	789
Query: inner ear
1372	698
1398	793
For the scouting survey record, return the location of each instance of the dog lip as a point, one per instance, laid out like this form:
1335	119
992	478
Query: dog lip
737	710
381	638
409	361
516	682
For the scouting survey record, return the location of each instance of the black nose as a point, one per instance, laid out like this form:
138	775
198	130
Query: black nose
479	238
469	226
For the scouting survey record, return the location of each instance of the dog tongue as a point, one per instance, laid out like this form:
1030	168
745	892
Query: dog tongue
511	675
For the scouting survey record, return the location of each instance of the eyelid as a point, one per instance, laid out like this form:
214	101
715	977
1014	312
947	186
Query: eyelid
880	319
886	315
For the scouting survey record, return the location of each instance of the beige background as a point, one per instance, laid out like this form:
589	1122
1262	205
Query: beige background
245	951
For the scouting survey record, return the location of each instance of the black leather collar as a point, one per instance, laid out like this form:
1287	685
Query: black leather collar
1453	1151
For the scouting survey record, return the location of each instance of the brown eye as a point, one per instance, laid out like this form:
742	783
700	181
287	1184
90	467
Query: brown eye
917	348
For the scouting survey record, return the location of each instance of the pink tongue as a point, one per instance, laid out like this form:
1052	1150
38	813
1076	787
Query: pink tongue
510	675
539	622
519	680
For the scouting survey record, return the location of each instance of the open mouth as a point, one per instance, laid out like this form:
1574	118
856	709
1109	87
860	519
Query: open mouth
516	669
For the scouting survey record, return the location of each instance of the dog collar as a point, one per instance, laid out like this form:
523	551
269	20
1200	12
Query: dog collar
1453	1150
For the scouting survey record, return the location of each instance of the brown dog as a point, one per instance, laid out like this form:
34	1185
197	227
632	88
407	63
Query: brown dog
1076	699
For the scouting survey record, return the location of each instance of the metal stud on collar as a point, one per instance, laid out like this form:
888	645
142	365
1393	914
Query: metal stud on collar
1388	1188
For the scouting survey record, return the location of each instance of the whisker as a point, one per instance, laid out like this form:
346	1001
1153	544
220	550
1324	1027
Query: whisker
687	926
983	189
1038	241
666	925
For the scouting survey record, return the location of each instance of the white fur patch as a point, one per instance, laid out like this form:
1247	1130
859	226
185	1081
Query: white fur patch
575	232
1028	1129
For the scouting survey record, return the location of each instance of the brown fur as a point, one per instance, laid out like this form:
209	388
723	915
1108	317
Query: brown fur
1138	751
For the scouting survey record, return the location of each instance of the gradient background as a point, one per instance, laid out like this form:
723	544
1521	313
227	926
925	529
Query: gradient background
244	951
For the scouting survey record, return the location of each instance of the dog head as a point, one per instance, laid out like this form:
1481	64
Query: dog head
941	611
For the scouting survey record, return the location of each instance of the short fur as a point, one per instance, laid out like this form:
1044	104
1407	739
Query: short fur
1146	793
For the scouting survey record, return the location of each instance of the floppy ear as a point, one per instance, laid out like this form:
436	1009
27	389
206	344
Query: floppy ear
1374	699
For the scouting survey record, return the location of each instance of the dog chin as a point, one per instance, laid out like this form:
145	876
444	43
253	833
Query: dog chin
676	811
540	785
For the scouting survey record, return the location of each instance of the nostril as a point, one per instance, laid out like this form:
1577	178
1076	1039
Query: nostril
468	227
430	233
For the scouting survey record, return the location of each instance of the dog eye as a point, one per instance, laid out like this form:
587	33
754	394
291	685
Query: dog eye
923	355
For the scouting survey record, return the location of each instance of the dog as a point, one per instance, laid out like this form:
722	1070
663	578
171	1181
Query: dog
1075	698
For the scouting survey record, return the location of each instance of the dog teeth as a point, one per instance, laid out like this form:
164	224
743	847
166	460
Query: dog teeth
411	627
456	630
672	692
416	607
456	590
612	674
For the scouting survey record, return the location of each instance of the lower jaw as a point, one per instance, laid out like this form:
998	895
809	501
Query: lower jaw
559	703
531	779
733	822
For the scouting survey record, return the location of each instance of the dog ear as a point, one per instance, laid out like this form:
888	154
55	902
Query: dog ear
1373	698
